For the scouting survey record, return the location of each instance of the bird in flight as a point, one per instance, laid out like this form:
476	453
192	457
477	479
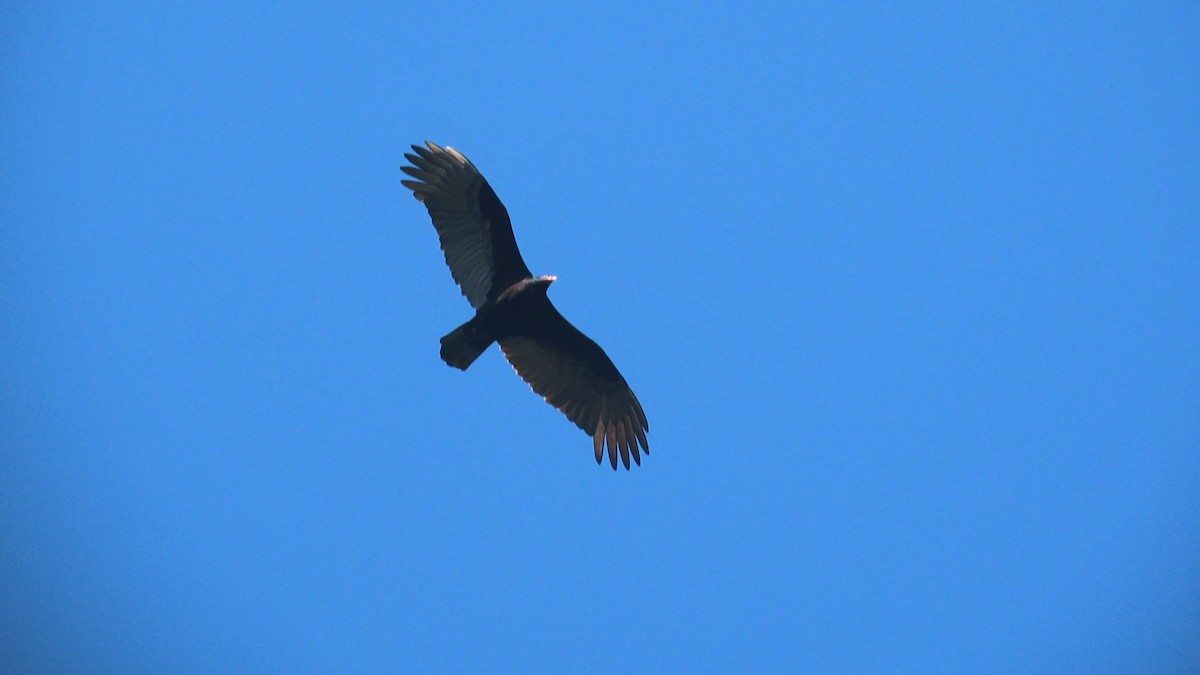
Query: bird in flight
560	364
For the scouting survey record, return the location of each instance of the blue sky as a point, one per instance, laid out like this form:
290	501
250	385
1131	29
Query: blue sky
908	292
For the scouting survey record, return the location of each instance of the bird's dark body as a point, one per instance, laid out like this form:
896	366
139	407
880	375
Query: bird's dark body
525	310
516	311
558	361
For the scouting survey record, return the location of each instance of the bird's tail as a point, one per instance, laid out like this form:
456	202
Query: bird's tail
461	346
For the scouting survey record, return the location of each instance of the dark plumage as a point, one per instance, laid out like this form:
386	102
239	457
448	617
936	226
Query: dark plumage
560	363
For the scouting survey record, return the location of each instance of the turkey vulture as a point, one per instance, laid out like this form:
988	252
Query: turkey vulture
561	364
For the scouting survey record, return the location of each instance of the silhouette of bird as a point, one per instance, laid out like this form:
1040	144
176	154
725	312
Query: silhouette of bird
561	364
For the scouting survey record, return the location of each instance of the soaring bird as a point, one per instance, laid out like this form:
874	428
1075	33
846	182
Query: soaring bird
561	364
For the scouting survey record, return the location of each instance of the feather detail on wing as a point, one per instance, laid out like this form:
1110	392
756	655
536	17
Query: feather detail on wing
472	224
586	387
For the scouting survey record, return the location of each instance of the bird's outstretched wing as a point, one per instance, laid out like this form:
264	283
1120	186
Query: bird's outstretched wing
574	374
473	226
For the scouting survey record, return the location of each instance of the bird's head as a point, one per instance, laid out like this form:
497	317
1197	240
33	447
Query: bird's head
542	283
530	285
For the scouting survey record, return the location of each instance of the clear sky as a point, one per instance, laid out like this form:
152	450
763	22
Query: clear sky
910	293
